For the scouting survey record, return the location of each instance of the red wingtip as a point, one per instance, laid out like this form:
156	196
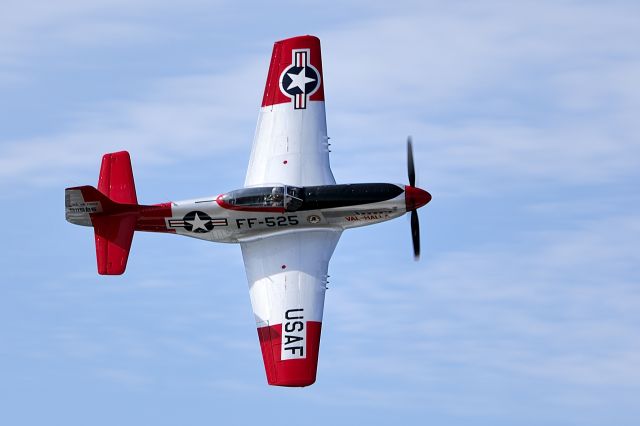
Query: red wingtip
295	73
290	372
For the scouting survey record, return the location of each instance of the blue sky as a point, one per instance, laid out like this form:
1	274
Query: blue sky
523	310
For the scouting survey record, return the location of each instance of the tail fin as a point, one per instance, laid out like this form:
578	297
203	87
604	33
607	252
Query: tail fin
112	210
113	236
116	178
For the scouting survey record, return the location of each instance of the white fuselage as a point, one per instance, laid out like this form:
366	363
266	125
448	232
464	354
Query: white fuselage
207	219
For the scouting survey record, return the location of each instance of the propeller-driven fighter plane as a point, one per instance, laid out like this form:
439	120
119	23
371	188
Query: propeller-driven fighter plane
287	218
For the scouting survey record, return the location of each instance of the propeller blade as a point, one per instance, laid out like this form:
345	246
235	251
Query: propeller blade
415	234
410	167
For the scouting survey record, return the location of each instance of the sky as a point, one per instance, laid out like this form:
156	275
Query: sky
524	308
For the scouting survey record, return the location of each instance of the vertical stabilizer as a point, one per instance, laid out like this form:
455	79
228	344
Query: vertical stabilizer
116	178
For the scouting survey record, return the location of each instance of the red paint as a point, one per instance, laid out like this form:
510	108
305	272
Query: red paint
415	197
291	372
152	218
113	235
89	193
121	214
228	206
113	227
116	178
281	59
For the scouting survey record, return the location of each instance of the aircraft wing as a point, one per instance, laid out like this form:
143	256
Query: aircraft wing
291	143
287	276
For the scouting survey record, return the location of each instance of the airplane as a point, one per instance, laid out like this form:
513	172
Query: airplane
287	218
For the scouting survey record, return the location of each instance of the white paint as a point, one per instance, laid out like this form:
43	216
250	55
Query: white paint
298	137
301	285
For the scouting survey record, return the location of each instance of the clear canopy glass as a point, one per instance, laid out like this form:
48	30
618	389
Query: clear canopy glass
286	197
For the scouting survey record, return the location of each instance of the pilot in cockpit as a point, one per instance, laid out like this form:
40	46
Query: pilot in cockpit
276	199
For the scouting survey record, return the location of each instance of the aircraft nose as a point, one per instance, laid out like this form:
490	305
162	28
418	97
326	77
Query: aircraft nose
415	197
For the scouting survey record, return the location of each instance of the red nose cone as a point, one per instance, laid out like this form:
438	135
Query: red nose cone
415	197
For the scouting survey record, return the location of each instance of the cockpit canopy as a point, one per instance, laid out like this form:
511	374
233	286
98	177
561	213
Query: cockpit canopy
288	198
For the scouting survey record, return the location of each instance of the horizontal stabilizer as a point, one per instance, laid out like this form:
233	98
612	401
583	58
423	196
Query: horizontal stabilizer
116	178
113	241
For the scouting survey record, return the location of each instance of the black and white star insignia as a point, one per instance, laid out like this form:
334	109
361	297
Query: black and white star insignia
300	80
199	222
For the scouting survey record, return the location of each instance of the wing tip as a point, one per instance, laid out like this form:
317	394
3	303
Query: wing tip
300	383
290	372
304	37
295	54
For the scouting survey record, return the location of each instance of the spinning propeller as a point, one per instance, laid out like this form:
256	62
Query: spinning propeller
415	198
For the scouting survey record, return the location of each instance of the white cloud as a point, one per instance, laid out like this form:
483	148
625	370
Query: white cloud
186	117
494	96
25	25
560	309
123	377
